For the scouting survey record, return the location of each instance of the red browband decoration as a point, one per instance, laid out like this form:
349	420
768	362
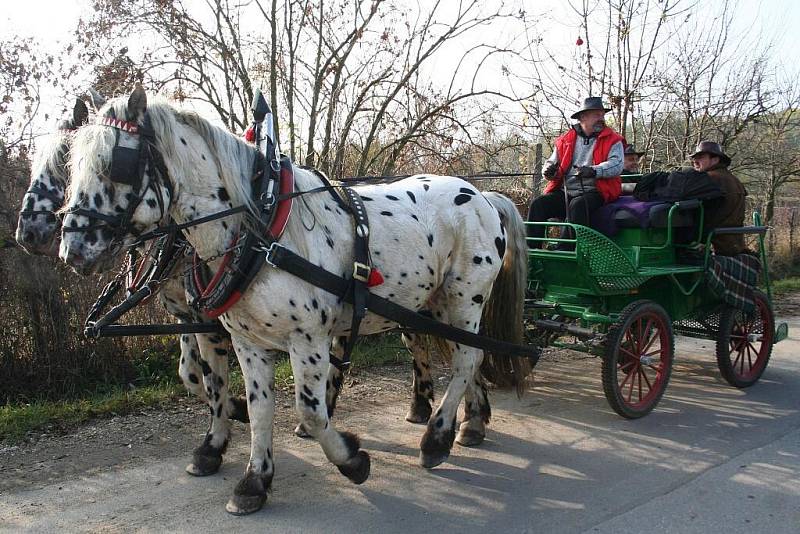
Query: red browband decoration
125	126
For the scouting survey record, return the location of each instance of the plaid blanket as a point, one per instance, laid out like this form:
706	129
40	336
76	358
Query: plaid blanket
733	278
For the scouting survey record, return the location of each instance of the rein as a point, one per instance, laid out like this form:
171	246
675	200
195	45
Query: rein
175	227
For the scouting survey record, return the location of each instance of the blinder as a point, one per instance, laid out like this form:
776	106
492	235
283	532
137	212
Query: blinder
125	166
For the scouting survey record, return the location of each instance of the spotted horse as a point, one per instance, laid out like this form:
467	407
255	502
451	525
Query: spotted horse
203	364
441	245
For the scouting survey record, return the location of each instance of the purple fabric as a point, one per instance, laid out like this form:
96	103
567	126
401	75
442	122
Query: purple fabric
603	218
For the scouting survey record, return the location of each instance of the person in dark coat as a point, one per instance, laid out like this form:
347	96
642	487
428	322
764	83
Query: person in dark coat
631	163
583	171
728	210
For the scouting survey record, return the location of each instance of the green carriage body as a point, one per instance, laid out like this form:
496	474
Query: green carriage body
595	292
602	275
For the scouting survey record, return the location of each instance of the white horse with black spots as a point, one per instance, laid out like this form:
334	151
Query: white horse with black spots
203	366
441	245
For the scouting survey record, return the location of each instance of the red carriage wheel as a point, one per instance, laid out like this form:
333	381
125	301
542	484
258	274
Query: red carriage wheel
638	360
744	343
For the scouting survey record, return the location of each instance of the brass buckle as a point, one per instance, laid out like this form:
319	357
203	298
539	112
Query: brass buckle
361	271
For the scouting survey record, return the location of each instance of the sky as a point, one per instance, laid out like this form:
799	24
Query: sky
51	23
25	18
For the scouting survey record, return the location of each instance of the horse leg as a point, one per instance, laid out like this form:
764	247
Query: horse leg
333	386
421	383
207	458
310	369
189	368
477	413
258	370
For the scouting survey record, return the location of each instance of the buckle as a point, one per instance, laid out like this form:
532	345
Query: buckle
270	253
267	200
361	272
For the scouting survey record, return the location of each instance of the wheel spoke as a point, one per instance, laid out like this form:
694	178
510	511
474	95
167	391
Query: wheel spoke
640	373
751	352
651	340
629	341
741	359
629	353
627	377
630	389
649	385
655	368
659	351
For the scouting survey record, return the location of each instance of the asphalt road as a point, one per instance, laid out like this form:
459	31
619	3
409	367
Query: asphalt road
711	458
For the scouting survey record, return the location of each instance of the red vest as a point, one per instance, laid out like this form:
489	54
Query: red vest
609	188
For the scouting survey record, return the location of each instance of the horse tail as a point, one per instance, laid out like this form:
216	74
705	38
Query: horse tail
503	312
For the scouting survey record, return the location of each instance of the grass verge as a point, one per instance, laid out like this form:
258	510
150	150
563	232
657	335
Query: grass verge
786	285
159	384
17	420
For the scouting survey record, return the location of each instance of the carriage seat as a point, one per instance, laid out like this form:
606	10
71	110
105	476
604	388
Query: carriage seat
627	212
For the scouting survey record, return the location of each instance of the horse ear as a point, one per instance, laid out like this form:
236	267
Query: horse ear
80	113
97	99
137	103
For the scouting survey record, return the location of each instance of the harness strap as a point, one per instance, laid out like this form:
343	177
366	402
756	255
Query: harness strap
362	266
42	192
285	259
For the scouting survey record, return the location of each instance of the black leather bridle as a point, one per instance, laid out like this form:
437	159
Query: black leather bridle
128	166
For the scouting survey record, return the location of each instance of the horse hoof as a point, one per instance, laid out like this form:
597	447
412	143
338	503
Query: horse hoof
429	460
470	438
245	504
203	465
301	432
239	410
356	468
418	416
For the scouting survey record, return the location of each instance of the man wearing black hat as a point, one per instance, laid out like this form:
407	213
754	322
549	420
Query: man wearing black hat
583	170
727	211
631	163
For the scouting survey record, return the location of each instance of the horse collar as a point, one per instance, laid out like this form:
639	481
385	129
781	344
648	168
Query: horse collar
214	295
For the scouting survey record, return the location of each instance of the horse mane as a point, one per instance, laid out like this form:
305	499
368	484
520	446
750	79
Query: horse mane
233	157
52	156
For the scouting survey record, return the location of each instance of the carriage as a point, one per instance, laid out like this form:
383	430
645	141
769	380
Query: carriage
625	297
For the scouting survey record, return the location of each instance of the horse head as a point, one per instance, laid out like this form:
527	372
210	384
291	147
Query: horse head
119	185
38	227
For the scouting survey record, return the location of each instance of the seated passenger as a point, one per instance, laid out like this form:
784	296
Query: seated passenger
631	163
583	171
630	166
728	210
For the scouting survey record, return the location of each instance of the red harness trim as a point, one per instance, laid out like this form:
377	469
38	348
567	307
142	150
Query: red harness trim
275	231
284	208
125	126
